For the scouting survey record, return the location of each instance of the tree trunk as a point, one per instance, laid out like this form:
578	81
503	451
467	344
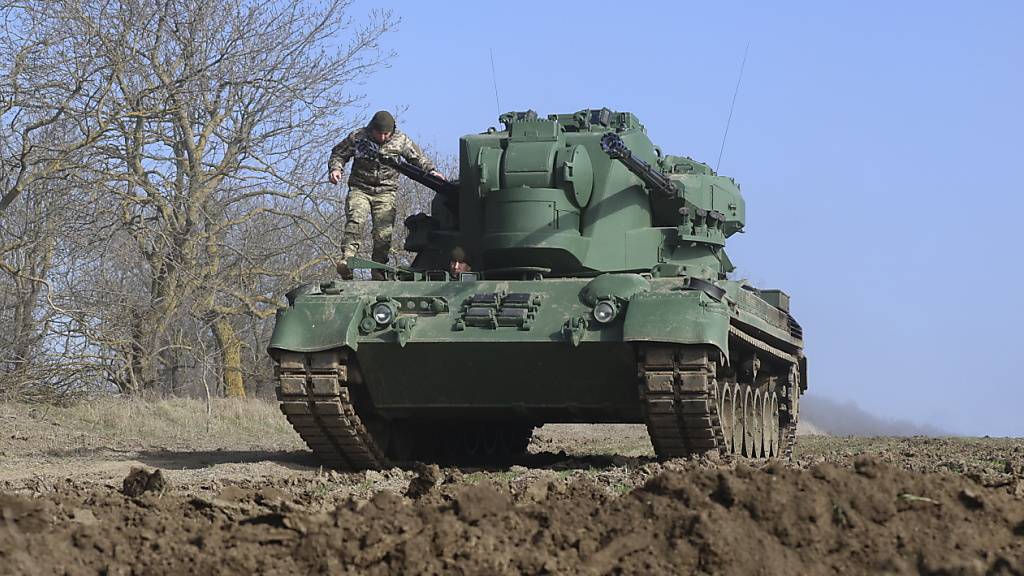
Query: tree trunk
230	358
27	331
143	360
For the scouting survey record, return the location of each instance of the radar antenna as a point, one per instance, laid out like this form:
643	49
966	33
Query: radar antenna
494	79
732	106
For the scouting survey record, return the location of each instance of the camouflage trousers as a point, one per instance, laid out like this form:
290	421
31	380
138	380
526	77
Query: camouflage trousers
360	206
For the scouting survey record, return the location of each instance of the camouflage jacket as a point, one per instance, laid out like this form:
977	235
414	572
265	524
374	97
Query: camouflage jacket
372	176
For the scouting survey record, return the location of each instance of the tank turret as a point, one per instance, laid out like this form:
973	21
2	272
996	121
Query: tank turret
581	194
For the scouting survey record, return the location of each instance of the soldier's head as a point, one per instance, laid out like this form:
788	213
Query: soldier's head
382	126
457	262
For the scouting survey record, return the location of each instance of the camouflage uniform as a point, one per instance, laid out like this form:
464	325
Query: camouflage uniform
372	187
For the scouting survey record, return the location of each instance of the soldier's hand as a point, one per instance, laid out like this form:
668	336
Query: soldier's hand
335	176
439	175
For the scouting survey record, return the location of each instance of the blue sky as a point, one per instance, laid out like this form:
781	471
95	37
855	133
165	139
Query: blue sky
879	146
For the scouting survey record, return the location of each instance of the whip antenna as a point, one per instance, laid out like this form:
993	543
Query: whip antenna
731	106
494	79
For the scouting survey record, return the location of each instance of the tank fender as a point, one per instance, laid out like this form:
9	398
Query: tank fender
312	325
677	316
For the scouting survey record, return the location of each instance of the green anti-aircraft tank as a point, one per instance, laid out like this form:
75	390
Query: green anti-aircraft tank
599	293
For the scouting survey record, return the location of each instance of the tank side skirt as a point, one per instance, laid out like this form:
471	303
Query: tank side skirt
315	397
762	346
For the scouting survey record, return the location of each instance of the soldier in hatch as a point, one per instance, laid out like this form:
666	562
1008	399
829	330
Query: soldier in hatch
457	262
372	186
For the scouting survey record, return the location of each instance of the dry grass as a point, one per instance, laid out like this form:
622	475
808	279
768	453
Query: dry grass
126	423
581	439
182	424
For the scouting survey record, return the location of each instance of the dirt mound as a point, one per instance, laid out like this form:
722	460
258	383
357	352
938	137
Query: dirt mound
697	517
245	498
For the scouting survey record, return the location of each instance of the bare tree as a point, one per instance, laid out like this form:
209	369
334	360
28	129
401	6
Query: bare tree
33	245
28	242
50	99
191	125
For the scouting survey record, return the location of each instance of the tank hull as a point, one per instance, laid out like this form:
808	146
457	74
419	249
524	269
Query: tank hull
495	356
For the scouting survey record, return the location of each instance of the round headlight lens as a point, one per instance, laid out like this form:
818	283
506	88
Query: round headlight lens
383	314
605	311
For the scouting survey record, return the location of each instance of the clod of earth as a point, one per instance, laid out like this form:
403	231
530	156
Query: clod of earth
140	480
426	480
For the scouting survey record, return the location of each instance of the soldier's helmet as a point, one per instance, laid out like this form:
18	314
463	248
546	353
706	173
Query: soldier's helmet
382	121
458	254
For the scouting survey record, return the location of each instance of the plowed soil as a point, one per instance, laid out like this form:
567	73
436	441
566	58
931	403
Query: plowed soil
588	499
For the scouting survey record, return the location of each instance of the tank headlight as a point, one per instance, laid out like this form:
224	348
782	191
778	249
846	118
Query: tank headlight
605	311
383	314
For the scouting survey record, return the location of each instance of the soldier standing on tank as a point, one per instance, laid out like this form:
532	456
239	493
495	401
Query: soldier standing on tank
372	186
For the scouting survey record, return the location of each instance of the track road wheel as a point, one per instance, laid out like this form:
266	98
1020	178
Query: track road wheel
766	425
747	404
736	442
773	423
727	413
757	418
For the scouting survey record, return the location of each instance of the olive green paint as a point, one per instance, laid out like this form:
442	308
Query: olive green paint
554	226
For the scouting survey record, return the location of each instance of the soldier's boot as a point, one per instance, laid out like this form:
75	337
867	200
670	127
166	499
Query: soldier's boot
343	270
380	256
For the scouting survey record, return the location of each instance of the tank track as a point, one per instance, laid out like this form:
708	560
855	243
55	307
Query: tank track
682	401
316	399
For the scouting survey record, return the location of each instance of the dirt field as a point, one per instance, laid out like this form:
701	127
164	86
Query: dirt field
237	493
